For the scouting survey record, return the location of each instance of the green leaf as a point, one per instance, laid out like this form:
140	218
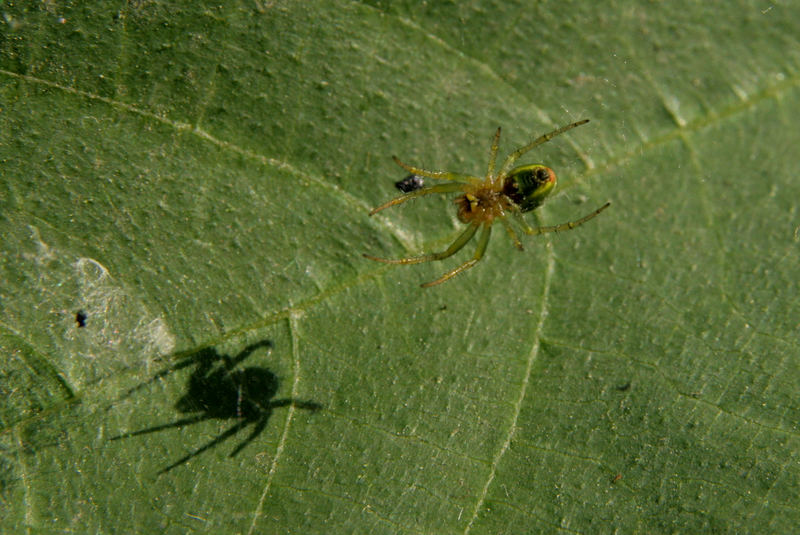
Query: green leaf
195	181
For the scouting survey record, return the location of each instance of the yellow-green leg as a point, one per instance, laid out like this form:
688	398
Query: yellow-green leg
456	246
441	175
514	156
512	233
438	188
493	154
483	241
564	226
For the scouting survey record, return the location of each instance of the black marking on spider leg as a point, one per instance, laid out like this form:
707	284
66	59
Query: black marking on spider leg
410	183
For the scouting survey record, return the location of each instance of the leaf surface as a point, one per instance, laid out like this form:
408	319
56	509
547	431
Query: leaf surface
195	180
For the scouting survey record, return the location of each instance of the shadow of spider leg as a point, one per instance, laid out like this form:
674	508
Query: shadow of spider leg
221	438
193	420
217	390
259	424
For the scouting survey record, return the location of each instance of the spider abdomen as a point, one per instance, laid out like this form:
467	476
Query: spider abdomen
529	185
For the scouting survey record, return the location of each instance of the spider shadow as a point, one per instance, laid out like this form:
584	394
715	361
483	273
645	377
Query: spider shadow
216	389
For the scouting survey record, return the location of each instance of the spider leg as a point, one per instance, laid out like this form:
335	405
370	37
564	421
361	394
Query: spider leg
441	175
262	422
438	188
512	233
483	241
567	226
224	436
514	156
493	154
203	359
456	246
522	223
246	352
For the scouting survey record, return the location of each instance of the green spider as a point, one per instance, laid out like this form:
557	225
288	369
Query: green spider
483	201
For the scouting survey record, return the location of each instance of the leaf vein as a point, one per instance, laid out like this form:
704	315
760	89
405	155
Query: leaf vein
548	277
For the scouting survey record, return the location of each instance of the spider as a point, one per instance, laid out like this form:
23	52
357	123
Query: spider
217	389
484	201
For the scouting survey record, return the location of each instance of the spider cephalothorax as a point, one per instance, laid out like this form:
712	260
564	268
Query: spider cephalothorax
486	200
